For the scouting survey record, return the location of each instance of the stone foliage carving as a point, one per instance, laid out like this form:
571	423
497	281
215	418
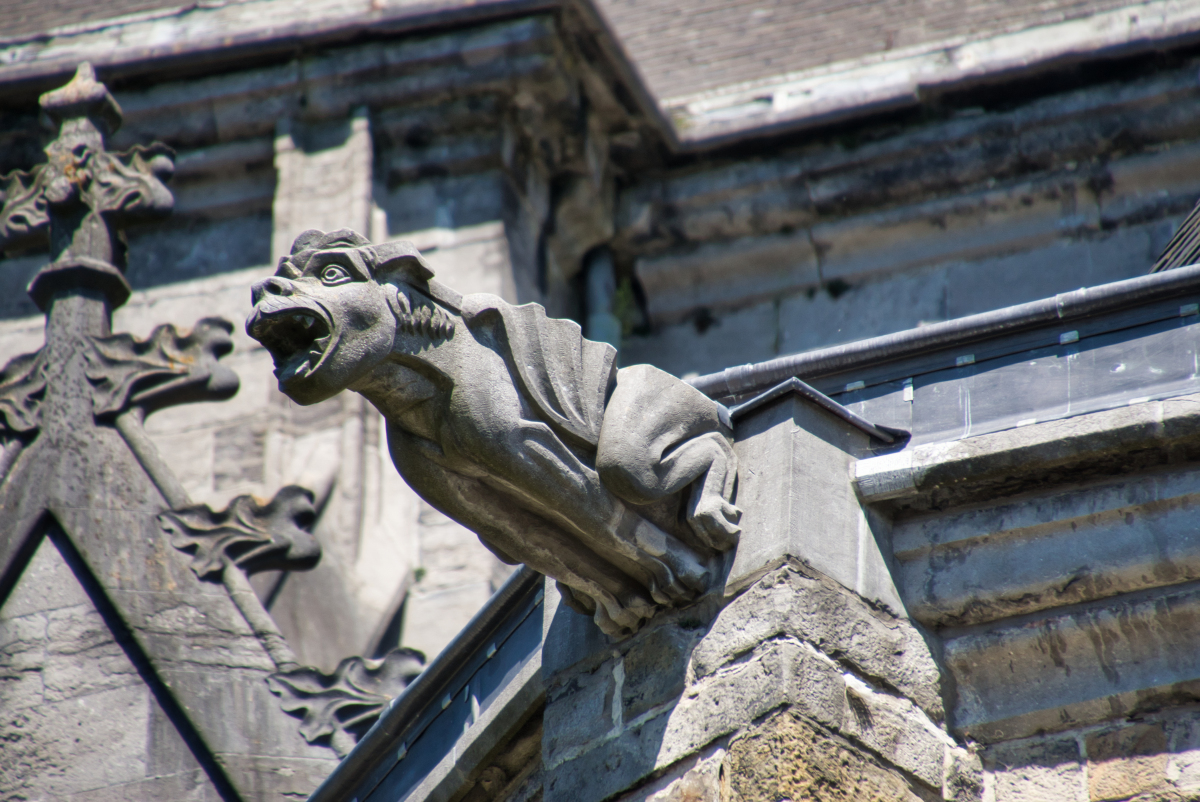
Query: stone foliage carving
22	387
248	534
83	195
341	706
617	483
167	368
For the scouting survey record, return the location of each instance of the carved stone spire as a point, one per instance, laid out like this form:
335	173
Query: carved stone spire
84	194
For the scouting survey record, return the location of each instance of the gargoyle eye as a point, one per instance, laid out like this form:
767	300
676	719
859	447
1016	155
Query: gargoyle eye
334	274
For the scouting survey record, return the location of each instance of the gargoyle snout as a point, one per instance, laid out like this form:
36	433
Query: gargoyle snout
271	286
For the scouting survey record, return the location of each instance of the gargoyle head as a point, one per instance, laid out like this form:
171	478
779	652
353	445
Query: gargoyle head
329	314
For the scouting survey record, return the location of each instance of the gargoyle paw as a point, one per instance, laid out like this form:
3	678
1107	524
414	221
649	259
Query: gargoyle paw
715	522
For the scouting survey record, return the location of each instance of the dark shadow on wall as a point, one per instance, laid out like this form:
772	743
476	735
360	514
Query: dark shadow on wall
179	249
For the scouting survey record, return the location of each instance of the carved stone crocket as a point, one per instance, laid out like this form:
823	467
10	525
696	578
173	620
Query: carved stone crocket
618	483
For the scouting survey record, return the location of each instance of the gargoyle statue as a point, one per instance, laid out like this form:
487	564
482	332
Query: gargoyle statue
617	483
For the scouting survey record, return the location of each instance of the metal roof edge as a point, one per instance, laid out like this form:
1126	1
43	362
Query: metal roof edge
1084	302
428	686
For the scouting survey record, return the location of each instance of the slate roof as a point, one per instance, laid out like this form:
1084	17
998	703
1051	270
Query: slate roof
690	47
686	47
24	17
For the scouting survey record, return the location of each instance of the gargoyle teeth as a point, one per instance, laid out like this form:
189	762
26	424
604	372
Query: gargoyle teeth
307	320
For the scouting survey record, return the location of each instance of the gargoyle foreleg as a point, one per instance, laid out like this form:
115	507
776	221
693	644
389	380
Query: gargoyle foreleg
528	460
644	456
516	534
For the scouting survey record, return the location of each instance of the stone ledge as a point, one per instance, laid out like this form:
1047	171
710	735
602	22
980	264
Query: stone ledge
1080	666
1095	445
1049	550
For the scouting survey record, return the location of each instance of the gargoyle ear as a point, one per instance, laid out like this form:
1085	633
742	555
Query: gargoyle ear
308	239
401	257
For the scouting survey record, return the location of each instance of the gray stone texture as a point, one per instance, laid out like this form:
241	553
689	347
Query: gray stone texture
79	722
696	677
800	500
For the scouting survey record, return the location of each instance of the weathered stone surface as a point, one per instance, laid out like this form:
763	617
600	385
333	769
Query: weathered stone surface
1127	762
800	500
1145	662
1076	545
699	675
786	757
691	781
324	178
591	710
341	314
875	644
709	342
746	270
853	311
963	780
79	722
1039	770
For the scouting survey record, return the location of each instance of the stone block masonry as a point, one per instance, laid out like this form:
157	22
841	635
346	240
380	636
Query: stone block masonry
784	695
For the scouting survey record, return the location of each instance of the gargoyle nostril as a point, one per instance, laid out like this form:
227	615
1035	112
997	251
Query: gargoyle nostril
270	286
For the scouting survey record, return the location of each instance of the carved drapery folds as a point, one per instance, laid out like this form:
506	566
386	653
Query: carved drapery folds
341	706
247	534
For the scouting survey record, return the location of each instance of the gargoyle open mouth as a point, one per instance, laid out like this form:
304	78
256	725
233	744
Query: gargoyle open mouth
297	336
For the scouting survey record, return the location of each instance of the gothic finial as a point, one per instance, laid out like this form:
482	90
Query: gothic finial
83	97
83	195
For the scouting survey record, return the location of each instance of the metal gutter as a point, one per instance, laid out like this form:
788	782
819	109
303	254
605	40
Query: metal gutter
428	687
744	379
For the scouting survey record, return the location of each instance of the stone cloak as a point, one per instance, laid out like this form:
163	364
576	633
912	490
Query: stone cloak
566	377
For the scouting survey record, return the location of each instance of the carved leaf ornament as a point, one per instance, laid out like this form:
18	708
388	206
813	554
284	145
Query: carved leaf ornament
22	387
349	699
127	184
165	369
248	533
24	211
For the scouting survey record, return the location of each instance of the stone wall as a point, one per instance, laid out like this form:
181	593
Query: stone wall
795	688
79	720
983	203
